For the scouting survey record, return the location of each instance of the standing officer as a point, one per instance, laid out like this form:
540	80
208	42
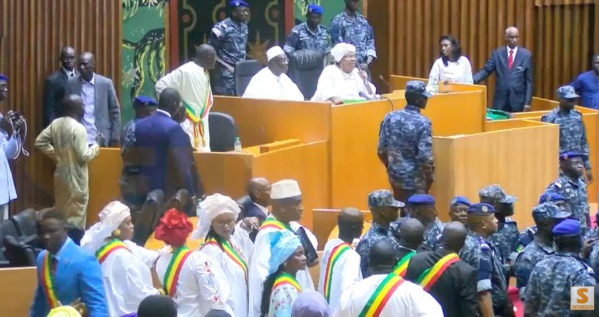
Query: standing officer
309	35
351	27
405	145
548	289
571	185
422	207
507	235
572	133
229	37
482	255
528	234
458	209
546	217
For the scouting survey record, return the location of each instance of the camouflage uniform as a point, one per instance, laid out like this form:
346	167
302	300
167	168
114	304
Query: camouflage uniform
572	133
377	199
302	38
575	193
356	31
506	237
528	234
230	39
594	257
406	136
432	236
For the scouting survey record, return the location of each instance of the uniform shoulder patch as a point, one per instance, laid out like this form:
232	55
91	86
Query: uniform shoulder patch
216	31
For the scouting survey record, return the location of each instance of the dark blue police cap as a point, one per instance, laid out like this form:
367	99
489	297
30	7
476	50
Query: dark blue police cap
551	197
459	200
238	3
481	209
568	227
422	200
145	101
314	8
3	78
570	155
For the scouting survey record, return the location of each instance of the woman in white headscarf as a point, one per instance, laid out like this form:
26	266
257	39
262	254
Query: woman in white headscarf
227	245
125	266
343	81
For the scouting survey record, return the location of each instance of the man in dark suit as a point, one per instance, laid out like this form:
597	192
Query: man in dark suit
455	288
55	84
513	74
163	152
255	203
102	113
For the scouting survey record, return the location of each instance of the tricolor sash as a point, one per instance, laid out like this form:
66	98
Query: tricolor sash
402	266
231	253
381	296
48	281
109	248
272	222
286	278
333	257
197	117
430	276
171	277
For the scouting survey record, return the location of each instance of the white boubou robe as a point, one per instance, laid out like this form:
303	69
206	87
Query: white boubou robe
334	83
265	85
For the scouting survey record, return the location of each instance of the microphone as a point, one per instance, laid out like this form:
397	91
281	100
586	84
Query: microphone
386	83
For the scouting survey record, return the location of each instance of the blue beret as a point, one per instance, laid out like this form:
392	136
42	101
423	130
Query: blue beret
460	200
566	92
314	8
145	100
421	199
568	227
570	155
4	78
238	3
551	197
481	208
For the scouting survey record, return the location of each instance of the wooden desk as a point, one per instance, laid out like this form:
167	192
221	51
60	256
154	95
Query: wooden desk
18	288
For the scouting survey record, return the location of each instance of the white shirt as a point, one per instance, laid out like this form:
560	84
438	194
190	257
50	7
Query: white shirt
201	285
265	85
68	73
515	49
333	82
9	150
259	267
408	300
127	278
345	273
88	96
459	71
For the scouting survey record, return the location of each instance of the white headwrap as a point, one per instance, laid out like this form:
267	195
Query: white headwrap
274	52
111	218
341	50
212	207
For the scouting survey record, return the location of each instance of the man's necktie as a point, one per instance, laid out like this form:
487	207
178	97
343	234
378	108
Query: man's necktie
510	60
54	264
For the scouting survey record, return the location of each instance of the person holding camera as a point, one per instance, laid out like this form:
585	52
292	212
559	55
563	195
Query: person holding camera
12	129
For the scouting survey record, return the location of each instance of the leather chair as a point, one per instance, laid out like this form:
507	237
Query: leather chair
18	253
146	219
223	132
305	67
182	202
244	71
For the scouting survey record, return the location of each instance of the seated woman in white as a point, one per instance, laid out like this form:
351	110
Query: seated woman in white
125	266
451	67
227	245
343	81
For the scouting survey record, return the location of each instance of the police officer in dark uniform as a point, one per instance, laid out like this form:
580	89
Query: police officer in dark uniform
506	237
310	35
455	289
351	27
422	207
458	209
229	38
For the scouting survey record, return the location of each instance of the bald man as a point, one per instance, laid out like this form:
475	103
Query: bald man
55	83
255	203
410	234
193	83
513	74
404	298
340	265
455	289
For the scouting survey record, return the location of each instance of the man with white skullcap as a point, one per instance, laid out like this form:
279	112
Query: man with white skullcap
286	201
344	82
271	82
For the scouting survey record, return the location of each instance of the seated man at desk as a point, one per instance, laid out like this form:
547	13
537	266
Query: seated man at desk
344	82
271	82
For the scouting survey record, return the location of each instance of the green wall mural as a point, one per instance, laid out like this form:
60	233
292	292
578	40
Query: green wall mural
144	50
331	9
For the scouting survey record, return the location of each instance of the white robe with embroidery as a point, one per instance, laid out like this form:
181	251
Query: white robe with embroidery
346	272
408	300
193	84
333	82
259	267
265	85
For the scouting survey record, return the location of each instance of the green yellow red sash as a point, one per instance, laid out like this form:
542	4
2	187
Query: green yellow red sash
197	118
271	222
109	248
286	278
333	257
231	253
171	277
381	296
430	276
48	281
402	265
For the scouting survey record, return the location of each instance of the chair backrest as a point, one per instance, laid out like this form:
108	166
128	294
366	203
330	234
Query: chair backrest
25	222
305	67
223	132
244	71
147	217
18	253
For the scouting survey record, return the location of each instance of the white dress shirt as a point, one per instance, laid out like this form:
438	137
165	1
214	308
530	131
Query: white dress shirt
266	85
459	71
334	82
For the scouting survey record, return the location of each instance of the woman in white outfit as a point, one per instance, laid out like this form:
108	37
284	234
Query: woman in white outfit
451	67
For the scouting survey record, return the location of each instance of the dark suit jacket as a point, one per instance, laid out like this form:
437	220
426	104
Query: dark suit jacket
513	88
165	157
54	89
455	290
107	110
249	209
